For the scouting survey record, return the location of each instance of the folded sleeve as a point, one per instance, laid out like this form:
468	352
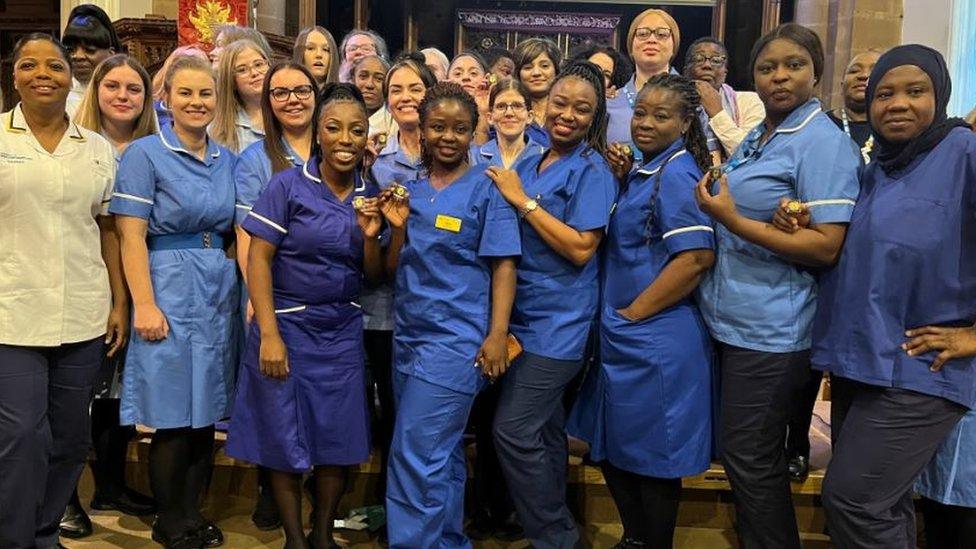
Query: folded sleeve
682	224
249	181
500	235
269	218
594	191
135	184
828	175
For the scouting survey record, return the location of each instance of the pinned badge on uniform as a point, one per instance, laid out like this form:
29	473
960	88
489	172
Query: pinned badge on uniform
448	223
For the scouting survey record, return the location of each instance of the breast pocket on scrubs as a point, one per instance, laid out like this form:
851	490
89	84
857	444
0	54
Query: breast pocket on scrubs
917	223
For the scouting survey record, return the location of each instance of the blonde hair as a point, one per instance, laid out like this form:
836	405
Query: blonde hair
90	116
193	50
298	52
186	63
668	20
229	102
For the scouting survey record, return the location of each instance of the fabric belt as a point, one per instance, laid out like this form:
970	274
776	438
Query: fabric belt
182	241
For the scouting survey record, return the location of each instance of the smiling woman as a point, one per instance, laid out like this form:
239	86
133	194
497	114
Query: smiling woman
238	121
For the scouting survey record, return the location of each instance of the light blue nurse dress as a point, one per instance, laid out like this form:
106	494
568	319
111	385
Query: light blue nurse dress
187	379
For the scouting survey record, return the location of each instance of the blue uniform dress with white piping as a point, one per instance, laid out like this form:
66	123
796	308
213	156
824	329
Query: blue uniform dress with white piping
442	313
186	379
909	261
247	134
252	173
653	411
753	298
318	414
490	154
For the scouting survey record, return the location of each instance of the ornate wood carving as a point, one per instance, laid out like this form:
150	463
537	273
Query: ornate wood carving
482	29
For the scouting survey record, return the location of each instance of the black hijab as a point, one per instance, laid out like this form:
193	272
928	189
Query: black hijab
895	156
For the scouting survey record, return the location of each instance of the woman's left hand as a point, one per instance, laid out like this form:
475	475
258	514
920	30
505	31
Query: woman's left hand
493	356
952	342
369	217
721	207
509	185
117	329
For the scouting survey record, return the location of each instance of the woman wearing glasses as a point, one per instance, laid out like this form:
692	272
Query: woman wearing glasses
726	115
508	107
652	43
240	81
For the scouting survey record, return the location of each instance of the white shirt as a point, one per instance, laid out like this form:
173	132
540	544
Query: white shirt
53	282
751	114
75	96
382	122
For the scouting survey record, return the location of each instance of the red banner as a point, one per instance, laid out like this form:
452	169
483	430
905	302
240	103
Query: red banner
198	19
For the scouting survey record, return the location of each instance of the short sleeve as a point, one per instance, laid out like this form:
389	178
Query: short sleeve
682	224
827	175
268	219
594	192
107	159
248	184
500	235
135	184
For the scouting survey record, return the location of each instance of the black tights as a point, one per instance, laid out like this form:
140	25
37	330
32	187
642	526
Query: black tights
330	484
180	463
111	443
648	506
948	526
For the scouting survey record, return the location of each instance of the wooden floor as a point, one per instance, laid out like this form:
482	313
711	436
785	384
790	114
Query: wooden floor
705	520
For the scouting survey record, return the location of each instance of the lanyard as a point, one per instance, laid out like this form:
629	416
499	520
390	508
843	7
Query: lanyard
868	145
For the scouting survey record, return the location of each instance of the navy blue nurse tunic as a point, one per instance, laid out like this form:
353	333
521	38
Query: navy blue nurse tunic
652	413
317	415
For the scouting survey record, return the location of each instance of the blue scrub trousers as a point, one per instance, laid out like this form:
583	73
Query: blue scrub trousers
45	435
530	436
426	475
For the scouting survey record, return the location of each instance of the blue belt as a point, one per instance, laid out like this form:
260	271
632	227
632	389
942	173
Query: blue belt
184	241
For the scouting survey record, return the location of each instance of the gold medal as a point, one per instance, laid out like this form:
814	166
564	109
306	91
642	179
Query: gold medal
381	139
399	191
492	79
358	202
794	207
628	151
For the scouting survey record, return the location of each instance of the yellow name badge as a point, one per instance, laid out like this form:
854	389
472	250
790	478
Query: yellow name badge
448	223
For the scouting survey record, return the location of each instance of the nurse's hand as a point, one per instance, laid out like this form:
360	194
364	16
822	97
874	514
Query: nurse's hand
395	209
117	330
952	342
273	357
788	219
369	217
150	323
493	356
621	160
509	185
721	206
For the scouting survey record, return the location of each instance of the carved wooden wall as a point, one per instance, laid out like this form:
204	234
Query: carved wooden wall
483	29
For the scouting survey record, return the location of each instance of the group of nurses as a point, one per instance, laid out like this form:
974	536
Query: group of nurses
649	410
62	303
301	398
759	299
564	197
174	206
453	246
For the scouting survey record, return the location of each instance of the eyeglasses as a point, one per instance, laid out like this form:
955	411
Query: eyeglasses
366	48
644	33
301	93
259	66
715	60
502	108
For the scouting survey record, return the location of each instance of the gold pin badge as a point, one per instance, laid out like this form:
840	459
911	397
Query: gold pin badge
358	202
794	206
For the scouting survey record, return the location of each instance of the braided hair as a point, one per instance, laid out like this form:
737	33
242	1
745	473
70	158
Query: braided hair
334	93
690	102
596	134
443	92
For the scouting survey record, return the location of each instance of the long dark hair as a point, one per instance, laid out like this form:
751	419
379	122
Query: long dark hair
437	94
596	134
272	126
333	93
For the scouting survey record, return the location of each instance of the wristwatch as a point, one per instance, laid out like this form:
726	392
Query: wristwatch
530	206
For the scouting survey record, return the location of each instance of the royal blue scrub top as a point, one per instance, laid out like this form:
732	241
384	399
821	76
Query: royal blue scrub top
909	261
753	298
556	301
252	173
443	281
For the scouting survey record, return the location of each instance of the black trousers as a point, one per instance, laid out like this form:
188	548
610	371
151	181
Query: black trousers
45	434
948	526
379	363
798	432
759	394
886	437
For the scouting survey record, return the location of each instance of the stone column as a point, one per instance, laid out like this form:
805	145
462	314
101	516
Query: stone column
271	16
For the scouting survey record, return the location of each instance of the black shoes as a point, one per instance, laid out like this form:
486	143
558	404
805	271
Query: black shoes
799	468
129	502
265	516
509	529
75	523
184	540
209	535
628	543
482	527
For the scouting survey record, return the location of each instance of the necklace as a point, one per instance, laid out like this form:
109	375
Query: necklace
868	145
